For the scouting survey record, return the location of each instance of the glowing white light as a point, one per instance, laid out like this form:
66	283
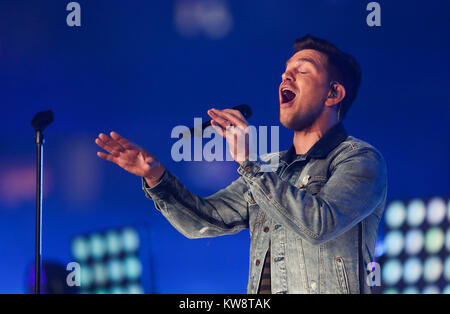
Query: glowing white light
414	241
80	249
447	240
416	213
446	289
434	240
431	290
130	240
113	243
411	290
86	276
394	242
432	269
98	247
135	289
447	269
391	272
412	270
115	270
100	273
118	290
390	291
133	267
395	214
436	211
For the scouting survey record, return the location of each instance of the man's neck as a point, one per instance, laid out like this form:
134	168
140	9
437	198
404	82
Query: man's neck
305	139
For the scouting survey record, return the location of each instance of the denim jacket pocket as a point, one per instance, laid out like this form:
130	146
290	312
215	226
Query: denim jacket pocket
342	277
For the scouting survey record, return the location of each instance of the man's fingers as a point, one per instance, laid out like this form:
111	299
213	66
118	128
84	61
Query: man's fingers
217	127
121	140
230	117
107	157
237	114
111	142
224	123
106	147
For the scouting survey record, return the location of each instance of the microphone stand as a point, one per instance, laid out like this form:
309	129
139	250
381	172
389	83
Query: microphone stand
40	121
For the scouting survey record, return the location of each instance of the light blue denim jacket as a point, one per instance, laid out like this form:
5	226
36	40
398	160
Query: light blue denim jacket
319	212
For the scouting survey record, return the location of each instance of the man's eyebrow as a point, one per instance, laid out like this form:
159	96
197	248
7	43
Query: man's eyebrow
304	59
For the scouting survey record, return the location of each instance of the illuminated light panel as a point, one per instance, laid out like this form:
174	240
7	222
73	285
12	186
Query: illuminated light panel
80	249
412	270
394	243
415	252
113	243
395	214
411	290
447	240
392	272
447	269
436	211
432	269
133	267
414	241
109	261
98	246
130	240
432	289
416	213
434	240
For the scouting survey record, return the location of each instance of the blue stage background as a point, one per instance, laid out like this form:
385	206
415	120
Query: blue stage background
140	68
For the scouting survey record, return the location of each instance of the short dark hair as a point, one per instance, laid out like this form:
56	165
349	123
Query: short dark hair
341	67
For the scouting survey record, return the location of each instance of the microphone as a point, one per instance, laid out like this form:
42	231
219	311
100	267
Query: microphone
244	109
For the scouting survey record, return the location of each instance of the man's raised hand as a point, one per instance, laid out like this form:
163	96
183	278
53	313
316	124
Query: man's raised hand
130	157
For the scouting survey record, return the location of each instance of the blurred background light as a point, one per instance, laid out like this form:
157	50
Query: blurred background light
434	240
395	214
414	241
416	213
412	270
436	211
392	271
111	261
203	17
394	243
419	261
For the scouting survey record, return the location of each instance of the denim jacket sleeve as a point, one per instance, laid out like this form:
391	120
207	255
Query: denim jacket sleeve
356	186
224	212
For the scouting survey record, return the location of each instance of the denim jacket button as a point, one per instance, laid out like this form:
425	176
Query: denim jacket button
257	262
247	169
266	229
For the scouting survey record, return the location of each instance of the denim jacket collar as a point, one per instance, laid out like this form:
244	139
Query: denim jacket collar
332	138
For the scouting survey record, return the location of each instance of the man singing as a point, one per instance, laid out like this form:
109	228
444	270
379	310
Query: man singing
314	218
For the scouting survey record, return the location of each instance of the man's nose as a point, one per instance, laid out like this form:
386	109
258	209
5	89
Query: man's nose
287	76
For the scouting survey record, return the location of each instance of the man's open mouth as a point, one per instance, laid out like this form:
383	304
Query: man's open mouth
287	95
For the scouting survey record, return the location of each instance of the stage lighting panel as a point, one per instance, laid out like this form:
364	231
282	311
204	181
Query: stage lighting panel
395	214
412	270
416	213
431	289
434	240
414	241
411	290
109	261
436	211
394	243
415	246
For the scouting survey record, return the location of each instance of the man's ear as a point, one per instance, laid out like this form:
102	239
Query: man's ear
336	94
